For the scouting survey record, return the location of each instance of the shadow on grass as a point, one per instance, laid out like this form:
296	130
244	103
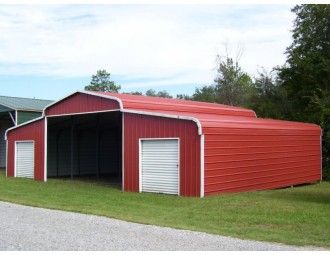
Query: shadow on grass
313	193
110	182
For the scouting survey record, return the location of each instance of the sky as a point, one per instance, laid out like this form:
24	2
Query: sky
50	51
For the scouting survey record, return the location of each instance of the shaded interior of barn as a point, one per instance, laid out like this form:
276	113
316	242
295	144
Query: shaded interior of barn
85	146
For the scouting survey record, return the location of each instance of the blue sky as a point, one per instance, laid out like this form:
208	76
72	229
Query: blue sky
50	51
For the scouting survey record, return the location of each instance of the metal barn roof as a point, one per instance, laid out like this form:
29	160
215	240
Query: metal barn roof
17	103
210	115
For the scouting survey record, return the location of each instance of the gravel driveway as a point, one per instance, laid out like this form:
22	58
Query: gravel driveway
28	228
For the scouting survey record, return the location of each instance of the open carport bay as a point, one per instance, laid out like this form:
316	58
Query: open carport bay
85	145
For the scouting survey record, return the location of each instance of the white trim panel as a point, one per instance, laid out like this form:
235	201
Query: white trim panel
123	151
45	149
202	167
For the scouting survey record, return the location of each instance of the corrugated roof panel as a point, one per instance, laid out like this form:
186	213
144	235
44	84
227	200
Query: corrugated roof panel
210	115
17	103
176	106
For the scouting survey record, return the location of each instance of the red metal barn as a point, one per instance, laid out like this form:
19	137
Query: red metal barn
163	145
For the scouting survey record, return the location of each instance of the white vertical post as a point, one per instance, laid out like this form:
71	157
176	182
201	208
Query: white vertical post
202	167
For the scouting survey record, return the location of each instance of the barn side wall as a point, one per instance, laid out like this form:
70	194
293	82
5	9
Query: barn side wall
142	126
80	103
33	131
247	159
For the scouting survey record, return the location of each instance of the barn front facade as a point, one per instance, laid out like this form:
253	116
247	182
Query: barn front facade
162	145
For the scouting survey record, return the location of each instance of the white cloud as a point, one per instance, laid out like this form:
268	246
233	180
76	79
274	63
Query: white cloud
166	44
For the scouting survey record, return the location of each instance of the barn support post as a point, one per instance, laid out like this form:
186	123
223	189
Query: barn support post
58	133
78	152
97	147
72	133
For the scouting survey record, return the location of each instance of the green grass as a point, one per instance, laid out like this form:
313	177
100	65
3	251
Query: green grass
296	216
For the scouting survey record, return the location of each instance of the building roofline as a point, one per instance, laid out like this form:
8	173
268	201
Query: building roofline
121	108
23	124
83	92
23	98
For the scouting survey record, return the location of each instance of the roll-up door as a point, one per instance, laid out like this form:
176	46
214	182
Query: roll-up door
25	159
160	166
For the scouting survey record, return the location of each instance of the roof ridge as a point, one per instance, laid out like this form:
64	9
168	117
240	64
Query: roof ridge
27	98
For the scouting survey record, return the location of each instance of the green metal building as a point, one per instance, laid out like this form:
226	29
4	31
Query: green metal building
15	111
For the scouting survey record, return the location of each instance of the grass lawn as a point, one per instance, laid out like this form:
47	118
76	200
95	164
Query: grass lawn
297	216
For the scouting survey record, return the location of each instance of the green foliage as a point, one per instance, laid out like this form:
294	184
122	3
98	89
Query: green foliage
205	94
101	82
232	85
137	93
306	75
184	97
153	93
297	215
319	107
268	99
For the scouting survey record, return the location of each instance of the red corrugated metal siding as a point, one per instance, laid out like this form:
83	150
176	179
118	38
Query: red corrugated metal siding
34	131
263	155
79	103
140	126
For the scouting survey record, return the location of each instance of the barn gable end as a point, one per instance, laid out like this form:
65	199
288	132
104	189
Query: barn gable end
78	103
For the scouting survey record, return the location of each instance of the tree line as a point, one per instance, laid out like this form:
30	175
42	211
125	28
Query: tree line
299	90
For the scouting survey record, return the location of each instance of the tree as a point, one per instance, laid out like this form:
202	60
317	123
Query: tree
268	99
306	74
184	97
137	93
232	85
153	93
307	66
101	82
205	94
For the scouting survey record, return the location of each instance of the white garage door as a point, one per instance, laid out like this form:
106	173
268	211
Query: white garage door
25	159
160	166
